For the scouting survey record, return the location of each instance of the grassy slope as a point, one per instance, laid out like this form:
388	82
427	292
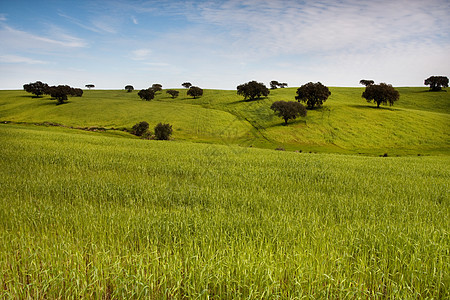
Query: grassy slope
83	215
417	124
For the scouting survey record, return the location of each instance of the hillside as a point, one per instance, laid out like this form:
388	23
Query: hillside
417	124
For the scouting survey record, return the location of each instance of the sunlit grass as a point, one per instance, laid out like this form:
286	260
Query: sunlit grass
417	124
90	216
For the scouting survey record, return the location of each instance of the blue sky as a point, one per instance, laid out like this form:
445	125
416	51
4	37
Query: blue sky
221	44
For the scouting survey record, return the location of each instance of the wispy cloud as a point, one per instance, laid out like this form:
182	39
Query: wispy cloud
135	21
14	59
287	26
140	54
3	18
18	38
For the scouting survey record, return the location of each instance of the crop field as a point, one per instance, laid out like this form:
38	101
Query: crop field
99	216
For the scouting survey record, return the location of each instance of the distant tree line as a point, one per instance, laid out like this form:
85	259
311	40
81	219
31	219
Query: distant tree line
60	92
149	94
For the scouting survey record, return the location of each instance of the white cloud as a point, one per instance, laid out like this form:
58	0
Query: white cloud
13	59
135	21
14	38
2	18
265	28
140	54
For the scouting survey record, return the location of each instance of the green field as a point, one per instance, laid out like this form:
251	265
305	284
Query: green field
102	215
417	124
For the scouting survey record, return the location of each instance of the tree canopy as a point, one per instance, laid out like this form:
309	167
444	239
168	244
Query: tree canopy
146	94
275	84
366	82
436	83
90	86
381	94
252	90
195	91
37	88
288	110
313	94
139	128
187	84
163	131
173	93
129	88
156	87
61	92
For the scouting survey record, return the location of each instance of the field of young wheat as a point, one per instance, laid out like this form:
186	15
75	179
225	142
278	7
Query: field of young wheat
84	215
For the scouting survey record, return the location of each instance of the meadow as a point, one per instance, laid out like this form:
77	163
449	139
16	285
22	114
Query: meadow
417	124
106	215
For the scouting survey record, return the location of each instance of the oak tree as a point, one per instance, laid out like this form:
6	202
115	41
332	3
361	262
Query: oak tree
381	94
436	83
146	94
195	91
313	94
288	110
252	90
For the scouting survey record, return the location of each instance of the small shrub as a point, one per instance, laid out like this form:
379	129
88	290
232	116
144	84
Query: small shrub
163	131
140	128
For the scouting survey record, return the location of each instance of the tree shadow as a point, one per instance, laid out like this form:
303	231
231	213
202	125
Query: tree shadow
248	100
431	91
290	123
373	107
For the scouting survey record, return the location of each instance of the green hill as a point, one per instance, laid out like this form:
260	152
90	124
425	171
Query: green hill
417	124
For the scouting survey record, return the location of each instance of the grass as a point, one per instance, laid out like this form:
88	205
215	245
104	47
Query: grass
85	215
417	124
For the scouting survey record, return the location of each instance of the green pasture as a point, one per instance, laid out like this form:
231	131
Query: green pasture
417	124
93	216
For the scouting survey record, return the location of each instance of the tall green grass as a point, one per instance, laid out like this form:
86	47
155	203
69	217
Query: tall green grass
83	215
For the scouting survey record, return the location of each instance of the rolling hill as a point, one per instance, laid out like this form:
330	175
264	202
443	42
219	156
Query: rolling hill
417	124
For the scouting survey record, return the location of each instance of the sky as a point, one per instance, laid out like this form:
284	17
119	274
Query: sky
221	44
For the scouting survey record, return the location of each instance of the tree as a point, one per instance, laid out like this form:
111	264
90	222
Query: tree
313	94
283	85
89	86
252	90
366	82
147	94
173	93
77	92
129	88
156	87
274	84
139	128
59	93
37	88
288	110
436	82
195	91
187	85
163	131
381	93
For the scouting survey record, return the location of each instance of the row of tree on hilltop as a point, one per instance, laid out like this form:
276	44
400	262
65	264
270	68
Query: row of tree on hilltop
315	94
59	93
